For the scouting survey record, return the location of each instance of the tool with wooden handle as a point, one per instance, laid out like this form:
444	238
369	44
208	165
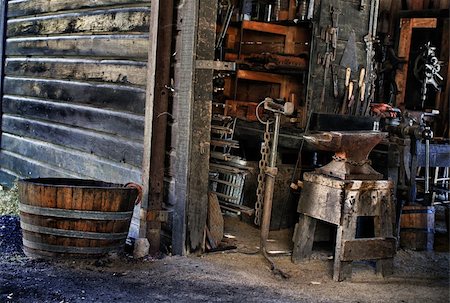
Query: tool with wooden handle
362	92
351	97
348	72
362	74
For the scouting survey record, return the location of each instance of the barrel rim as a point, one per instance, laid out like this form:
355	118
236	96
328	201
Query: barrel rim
66	183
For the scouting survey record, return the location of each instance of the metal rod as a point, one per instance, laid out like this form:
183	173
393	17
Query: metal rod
276	135
427	166
375	18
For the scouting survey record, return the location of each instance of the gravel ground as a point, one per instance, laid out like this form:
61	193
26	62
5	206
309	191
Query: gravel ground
219	277
10	235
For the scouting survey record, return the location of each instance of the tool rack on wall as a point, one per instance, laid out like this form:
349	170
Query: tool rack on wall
272	59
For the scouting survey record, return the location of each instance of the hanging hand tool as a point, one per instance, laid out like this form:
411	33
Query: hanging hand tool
326	62
224	29
426	70
334	29
349	61
334	79
369	39
362	93
351	97
347	82
362	74
349	55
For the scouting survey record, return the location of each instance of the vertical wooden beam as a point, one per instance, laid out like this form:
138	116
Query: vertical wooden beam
182	108
148	126
201	126
3	19
160	108
403	51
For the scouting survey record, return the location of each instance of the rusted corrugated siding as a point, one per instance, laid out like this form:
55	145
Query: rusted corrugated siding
74	89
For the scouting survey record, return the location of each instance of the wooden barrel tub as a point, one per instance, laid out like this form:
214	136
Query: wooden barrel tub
417	227
73	217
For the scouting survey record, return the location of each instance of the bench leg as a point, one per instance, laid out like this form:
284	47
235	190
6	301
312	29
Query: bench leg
303	238
385	267
342	269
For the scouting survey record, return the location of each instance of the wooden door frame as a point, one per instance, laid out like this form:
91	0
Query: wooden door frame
406	27
192	101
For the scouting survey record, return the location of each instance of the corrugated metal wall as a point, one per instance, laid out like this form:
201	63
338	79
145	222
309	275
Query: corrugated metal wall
74	89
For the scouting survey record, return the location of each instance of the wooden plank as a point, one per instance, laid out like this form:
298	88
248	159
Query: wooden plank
111	46
185	47
124	72
100	144
265	27
29	168
342	269
403	51
32	7
118	20
368	249
423	22
148	125
111	96
80	163
107	121
201	126
260	76
303	238
321	202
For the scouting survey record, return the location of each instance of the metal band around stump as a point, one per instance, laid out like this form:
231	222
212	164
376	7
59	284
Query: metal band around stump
74	214
72	233
69	249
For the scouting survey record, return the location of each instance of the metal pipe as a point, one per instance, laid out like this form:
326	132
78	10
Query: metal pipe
269	185
372	10
271	172
375	18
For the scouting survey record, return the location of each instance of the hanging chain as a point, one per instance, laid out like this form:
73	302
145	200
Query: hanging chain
354	163
265	150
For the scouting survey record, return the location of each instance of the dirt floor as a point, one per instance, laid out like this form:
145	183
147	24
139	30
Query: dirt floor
238	275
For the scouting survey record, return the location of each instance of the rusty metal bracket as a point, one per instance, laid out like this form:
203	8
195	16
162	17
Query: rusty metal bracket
215	65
